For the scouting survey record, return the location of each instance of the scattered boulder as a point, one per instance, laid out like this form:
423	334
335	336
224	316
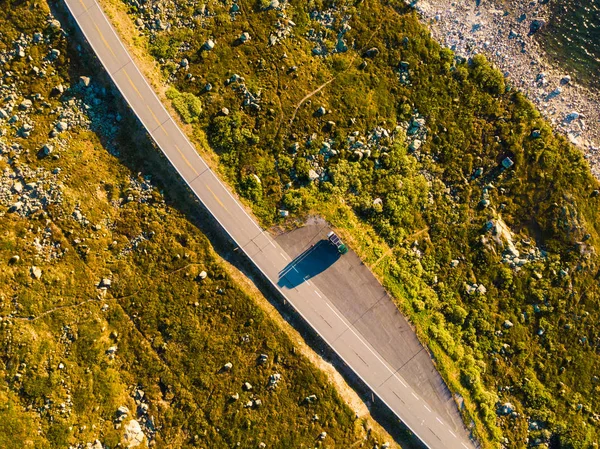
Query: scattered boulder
209	45
25	104
47	149
14	260
507	162
245	37
95	445
134	436
35	272
224	112
203	275
274	380
572	116
507	324
122	412
536	133
84	81
111	351
372	52
227	367
274	4
320	112
16	207
536	25
54	25
57	90
53	54
184	63
105	283
322	436
506	409
247	386
565	79
313	175
310	399
415	145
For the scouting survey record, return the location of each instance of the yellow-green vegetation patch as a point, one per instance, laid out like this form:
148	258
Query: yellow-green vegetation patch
119	325
187	105
480	220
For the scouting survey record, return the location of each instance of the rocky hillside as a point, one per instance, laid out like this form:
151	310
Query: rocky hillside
119	325
479	219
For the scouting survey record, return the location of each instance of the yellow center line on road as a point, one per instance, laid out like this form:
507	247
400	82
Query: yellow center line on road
156	120
188	163
104	40
216	197
131	82
83	4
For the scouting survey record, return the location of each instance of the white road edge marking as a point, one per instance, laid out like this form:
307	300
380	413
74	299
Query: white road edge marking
318	294
416	397
428	409
283	255
451	433
363	342
439	420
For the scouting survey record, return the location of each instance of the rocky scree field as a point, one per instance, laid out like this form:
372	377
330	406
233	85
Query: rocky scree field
478	218
119	325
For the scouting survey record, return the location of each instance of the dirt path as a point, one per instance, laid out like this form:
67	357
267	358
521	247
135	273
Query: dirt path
326	83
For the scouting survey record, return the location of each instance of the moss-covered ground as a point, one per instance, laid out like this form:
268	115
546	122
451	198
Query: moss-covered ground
103	302
495	264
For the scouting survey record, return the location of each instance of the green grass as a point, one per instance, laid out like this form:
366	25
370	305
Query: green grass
474	119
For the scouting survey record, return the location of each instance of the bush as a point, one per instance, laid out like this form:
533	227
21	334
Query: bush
187	105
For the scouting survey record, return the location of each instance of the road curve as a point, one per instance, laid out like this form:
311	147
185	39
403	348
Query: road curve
311	303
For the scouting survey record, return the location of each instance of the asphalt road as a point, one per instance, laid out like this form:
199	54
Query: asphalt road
309	301
352	288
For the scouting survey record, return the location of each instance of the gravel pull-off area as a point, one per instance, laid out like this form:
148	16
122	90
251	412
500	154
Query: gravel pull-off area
504	32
